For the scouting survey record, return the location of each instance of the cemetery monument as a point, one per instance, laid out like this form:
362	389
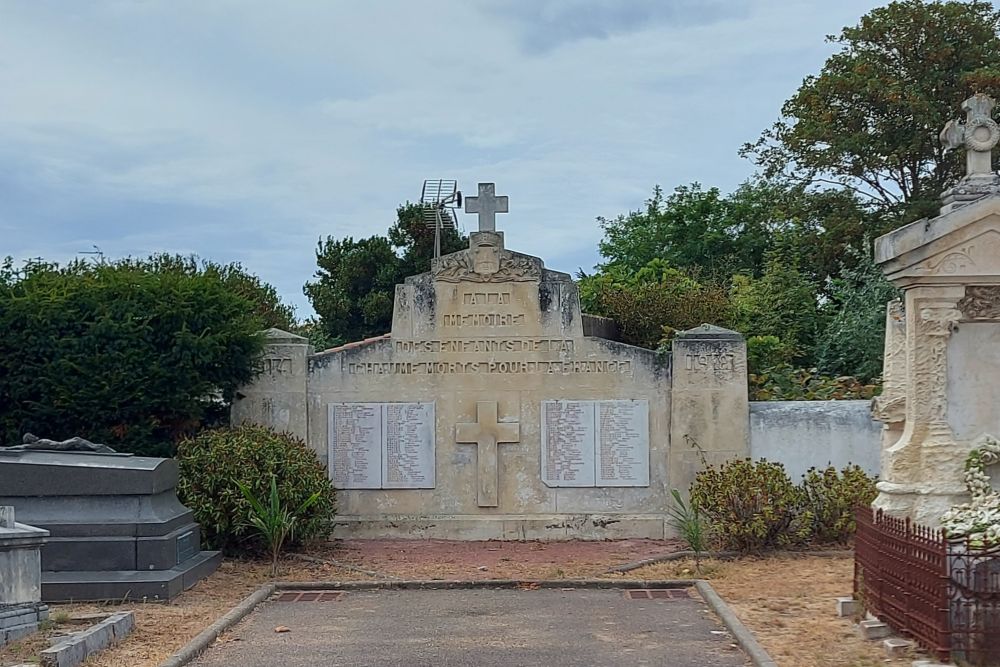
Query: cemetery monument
487	413
942	360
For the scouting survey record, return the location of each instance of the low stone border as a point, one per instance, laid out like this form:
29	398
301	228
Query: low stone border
207	637
743	636
204	639
719	555
77	647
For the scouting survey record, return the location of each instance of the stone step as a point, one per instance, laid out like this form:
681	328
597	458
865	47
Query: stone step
152	585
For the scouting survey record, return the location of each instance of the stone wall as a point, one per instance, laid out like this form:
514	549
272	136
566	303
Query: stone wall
804	434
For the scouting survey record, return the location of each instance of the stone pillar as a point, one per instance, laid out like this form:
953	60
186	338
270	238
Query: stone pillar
20	560
709	403
277	397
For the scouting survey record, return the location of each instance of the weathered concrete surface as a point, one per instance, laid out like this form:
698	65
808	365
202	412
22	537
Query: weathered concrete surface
485	326
571	628
942	356
709	405
20	561
804	434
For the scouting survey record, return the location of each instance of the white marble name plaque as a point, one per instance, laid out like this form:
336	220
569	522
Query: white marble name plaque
622	443
568	443
355	445
408	442
381	445
595	443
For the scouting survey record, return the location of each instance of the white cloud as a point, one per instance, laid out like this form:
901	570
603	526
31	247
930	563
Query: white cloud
245	131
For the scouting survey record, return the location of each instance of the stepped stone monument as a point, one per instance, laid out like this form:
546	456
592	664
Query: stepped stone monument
942	361
117	528
487	413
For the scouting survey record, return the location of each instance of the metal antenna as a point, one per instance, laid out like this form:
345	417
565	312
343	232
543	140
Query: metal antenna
439	199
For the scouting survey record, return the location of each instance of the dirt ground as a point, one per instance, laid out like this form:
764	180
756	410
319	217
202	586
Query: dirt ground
786	600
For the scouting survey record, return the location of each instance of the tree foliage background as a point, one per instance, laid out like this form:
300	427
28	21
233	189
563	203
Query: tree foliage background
787	256
136	353
355	282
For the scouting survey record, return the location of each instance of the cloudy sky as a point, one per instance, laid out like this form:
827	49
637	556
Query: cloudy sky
246	130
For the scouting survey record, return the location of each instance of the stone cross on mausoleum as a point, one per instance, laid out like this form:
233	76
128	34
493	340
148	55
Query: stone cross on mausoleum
487	205
979	134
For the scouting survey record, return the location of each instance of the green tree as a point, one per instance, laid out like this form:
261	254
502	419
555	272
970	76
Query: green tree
413	238
136	353
354	287
853	341
869	120
692	227
267	304
653	303
782	303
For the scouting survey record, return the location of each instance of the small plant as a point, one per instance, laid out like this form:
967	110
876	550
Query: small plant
253	455
752	505
690	524
830	498
274	521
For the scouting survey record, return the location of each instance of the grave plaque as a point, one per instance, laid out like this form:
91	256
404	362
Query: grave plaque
408	440
356	445
623	443
568	443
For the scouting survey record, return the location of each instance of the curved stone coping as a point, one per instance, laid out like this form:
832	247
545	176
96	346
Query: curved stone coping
207	637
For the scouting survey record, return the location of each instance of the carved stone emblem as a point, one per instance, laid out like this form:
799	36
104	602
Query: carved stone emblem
486	262
981	302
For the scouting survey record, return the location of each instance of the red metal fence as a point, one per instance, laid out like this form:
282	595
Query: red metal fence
945	594
901	576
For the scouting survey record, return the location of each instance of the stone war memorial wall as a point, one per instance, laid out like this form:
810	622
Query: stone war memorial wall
486	413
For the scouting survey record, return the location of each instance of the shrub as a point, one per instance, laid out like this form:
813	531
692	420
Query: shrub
751	505
134	353
213	464
786	383
830	498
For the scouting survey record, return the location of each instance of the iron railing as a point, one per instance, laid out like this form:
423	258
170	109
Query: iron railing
945	594
901	577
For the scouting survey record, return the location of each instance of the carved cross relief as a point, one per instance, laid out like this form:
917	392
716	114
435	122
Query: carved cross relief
487	433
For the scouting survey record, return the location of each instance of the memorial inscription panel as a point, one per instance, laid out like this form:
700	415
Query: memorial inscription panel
568	443
355	445
381	445
595	443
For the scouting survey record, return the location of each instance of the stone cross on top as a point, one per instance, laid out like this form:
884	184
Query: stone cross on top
979	134
487	205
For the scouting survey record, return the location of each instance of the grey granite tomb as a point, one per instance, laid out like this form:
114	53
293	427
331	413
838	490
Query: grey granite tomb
117	528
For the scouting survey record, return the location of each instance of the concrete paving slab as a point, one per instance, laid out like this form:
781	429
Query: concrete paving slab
484	627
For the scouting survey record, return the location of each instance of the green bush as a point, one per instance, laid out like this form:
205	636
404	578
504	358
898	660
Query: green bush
752	505
214	463
830	498
134	353
787	383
